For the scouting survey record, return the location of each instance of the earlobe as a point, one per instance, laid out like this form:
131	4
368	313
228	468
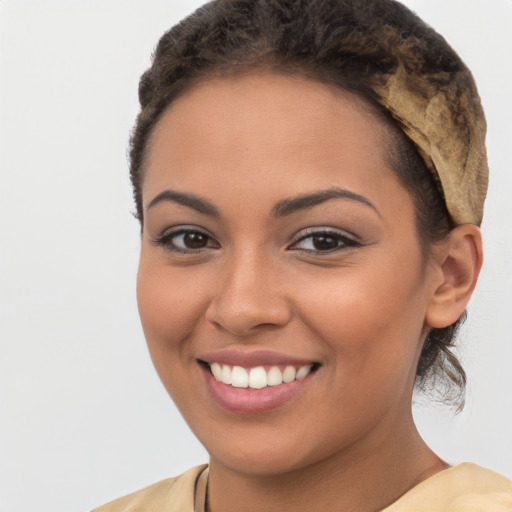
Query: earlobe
459	260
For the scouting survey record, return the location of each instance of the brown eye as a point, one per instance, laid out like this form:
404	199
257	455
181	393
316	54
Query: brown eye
195	240
186	241
324	242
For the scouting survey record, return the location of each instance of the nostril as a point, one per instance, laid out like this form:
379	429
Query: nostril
243	318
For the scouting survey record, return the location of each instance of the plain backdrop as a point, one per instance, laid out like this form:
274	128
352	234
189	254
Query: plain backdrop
83	417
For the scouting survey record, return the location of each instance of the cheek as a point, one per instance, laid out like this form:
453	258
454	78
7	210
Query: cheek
170	304
372	339
371	323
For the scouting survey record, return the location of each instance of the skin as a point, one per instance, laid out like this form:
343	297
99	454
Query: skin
360	311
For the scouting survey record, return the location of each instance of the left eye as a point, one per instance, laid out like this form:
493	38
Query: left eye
323	242
186	240
190	240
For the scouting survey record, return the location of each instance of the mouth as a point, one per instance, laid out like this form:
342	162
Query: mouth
258	377
255	381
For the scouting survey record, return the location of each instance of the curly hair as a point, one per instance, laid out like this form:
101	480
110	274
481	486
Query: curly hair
351	44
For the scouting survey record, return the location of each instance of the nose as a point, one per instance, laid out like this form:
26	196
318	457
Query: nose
249	296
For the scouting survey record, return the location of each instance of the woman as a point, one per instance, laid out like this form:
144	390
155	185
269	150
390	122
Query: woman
309	178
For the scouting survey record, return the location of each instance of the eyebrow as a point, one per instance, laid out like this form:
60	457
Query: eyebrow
280	209
289	206
199	204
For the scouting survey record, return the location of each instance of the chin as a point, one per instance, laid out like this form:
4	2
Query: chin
264	462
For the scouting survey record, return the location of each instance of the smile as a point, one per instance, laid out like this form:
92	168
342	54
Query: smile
258	377
254	382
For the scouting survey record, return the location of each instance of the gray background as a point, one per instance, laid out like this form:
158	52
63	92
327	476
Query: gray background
83	417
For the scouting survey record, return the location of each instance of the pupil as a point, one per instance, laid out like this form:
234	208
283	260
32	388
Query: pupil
195	240
324	243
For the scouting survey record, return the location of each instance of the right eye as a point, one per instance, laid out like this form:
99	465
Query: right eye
186	241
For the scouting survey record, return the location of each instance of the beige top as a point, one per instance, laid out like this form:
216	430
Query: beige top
463	488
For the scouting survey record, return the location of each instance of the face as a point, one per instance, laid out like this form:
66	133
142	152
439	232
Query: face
280	252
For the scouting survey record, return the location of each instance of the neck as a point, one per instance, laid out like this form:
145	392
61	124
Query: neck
367	476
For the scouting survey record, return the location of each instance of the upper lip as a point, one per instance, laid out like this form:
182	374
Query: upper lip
249	359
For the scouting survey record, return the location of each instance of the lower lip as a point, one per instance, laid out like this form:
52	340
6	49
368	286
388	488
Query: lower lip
253	401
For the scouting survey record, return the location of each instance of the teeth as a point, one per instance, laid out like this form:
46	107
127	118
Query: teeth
239	377
289	374
274	377
226	374
257	377
217	371
303	371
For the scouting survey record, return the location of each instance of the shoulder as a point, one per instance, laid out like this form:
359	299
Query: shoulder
466	487
172	494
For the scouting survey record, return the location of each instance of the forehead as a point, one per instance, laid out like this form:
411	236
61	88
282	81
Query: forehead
286	105
266	128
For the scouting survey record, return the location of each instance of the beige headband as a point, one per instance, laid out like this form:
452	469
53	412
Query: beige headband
442	114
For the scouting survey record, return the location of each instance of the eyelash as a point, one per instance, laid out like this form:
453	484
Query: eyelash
344	242
166	240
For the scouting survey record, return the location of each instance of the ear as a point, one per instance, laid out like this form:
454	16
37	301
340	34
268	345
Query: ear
459	260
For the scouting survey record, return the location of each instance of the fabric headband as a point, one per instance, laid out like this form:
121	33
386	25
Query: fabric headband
442	114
